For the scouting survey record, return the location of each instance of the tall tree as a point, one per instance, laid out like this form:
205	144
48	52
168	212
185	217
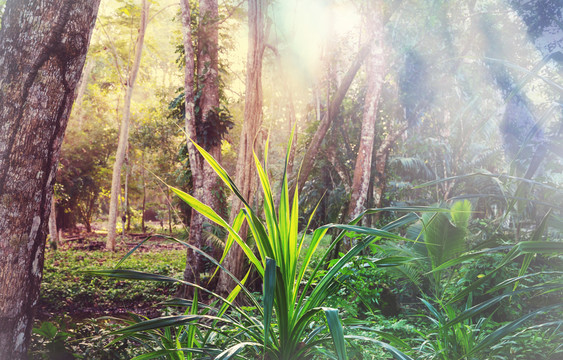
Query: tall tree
124	132
245	174
206	86
375	70
43	47
375	74
194	261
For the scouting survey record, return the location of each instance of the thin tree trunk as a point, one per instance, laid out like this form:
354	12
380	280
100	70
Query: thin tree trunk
340	168
169	202
43	47
53	224
124	132
144	193
245	175
80	92
126	195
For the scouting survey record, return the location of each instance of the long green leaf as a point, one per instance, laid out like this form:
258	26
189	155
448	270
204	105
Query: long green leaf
479	308
232	295
269	288
335	327
511	255
213	216
220	171
540	247
159	353
166	321
131	252
513	280
214	262
366	231
498	176
139	275
508	329
233	350
538	233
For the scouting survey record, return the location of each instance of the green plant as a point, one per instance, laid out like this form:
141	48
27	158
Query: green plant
437	238
365	291
468	332
291	322
67	338
51	339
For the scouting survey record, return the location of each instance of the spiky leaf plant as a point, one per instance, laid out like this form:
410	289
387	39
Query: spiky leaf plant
291	322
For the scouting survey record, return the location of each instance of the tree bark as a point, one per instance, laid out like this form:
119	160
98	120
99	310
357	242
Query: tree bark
207	189
208	69
194	261
208	84
124	132
245	174
43	47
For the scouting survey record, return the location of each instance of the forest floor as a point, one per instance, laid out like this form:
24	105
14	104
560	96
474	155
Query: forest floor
68	290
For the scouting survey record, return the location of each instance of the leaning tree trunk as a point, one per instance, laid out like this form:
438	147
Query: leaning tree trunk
124	132
328	117
43	46
82	85
245	175
375	69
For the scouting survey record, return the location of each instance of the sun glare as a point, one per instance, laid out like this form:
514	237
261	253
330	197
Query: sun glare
312	27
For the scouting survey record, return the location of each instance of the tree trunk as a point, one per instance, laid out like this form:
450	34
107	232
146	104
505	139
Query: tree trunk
124	132
53	224
126	196
208	187
208	84
194	261
43	46
245	175
329	116
379	181
143	228
375	70
80	92
169	202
